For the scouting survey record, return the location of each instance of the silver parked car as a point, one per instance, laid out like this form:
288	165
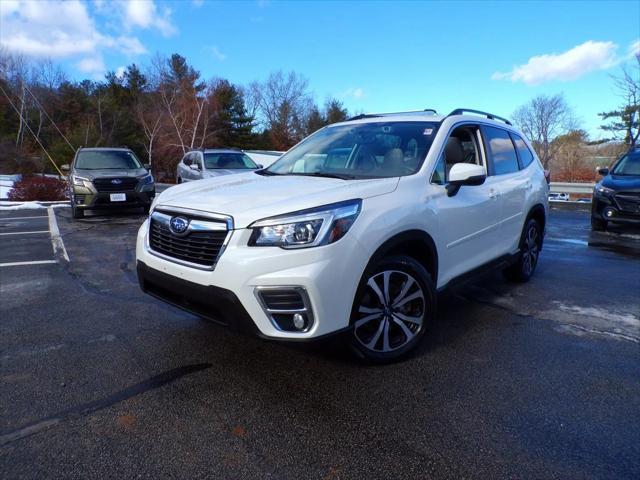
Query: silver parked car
207	163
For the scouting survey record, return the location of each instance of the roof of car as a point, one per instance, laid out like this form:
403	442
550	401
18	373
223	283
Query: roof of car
217	150
428	116
101	149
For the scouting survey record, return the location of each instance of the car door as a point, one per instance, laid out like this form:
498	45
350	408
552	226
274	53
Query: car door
512	183
467	221
198	172
183	168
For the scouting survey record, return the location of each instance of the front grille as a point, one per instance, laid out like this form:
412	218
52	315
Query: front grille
628	201
199	247
123	184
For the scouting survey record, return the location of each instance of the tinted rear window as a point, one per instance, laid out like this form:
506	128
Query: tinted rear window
501	151
526	157
228	160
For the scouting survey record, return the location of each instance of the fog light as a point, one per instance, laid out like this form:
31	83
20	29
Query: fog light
609	212
299	321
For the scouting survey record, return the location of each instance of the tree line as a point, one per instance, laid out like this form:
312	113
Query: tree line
160	111
166	108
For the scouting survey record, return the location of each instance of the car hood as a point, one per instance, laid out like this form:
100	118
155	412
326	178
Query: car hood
623	183
109	173
224	171
248	197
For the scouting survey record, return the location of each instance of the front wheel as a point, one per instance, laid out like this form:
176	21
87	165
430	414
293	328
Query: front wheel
530	244
394	303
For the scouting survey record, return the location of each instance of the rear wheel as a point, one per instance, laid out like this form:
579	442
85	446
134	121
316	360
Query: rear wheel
394	304
598	225
530	245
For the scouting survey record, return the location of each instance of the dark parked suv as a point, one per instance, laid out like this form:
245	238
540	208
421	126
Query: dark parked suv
108	177
616	198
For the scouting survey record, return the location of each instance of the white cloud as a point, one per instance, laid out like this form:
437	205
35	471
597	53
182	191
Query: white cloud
120	71
215	51
144	14
356	93
570	65
634	49
61	29
197	3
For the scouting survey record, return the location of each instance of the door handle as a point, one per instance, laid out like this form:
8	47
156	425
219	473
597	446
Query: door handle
493	193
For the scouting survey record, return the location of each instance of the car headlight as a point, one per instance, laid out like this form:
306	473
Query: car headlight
80	181
146	179
306	228
600	190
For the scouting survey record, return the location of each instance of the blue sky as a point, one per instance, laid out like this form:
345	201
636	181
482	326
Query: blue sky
374	56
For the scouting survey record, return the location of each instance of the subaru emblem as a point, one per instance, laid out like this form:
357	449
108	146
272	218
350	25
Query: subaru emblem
178	225
116	181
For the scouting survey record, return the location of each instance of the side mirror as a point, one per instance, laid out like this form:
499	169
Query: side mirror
465	174
147	166
65	167
603	171
195	166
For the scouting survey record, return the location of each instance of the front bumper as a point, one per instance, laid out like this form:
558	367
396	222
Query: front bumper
90	198
621	212
329	275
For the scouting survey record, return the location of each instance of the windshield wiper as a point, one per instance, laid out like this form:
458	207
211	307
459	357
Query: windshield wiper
266	172
326	175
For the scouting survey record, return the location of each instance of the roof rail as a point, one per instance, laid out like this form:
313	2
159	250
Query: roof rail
386	114
490	116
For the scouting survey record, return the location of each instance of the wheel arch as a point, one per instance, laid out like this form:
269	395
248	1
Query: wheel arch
538	213
414	243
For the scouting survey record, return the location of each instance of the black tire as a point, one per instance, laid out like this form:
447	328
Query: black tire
598	225
76	212
179	181
530	245
146	209
379	335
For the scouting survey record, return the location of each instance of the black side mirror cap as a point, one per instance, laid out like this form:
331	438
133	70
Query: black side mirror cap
147	166
603	171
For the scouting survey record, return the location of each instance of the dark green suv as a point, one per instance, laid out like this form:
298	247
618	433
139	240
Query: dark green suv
106	178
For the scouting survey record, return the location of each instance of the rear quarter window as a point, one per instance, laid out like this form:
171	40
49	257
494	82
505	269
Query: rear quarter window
526	157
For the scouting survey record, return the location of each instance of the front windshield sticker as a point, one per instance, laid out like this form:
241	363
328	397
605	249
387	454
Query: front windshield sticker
428	131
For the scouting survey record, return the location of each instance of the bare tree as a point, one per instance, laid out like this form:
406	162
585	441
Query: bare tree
284	105
542	119
571	154
625	121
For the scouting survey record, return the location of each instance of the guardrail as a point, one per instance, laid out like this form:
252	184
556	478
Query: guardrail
568	187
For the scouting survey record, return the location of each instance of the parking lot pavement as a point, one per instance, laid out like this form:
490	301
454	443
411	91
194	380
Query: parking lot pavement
530	381
29	237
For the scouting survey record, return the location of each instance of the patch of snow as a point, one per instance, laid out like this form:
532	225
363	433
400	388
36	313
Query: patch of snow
30	205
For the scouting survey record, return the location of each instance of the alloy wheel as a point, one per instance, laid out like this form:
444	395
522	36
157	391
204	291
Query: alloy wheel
531	249
391	311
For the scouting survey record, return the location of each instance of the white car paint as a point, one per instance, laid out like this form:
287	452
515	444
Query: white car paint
477	225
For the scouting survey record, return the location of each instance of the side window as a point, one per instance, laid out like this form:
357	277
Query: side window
187	159
461	147
526	157
438	176
501	150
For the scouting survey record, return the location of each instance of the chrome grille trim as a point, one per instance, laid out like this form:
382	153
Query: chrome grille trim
178	249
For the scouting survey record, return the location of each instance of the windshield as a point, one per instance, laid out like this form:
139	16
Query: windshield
628	165
368	150
108	159
228	160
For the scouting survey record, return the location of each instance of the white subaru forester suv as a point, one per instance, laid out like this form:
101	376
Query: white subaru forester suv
355	229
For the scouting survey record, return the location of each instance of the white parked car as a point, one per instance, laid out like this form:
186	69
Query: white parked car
558	197
354	230
207	163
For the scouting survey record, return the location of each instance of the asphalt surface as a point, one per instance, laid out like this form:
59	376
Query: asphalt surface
97	380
